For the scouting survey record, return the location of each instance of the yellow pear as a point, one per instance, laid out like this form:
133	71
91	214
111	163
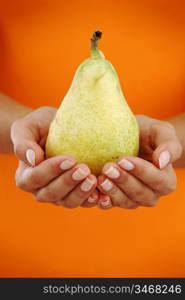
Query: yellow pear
94	122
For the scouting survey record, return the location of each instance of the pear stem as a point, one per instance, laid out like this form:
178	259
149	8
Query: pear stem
95	52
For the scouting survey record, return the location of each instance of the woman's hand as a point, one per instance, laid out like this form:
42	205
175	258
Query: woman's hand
58	180
135	181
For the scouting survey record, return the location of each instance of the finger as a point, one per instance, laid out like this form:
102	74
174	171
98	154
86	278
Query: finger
62	185
118	197
78	195
30	179
104	202
92	199
160	181
168	148
133	188
25	138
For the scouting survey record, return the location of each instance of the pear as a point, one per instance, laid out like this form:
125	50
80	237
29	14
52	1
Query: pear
94	122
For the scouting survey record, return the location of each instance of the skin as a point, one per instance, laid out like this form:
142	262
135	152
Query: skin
10	111
47	181
146	182
141	186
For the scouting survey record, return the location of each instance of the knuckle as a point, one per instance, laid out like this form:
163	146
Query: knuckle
47	108
70	204
132	206
156	126
163	125
172	187
169	189
148	200
21	183
137	193
169	126
167	186
50	194
151	203
179	149
34	178
142	118
128	204
41	197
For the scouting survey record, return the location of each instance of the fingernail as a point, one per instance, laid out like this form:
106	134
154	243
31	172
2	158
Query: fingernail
125	164
66	164
79	174
86	185
164	159
107	185
106	202
112	172
30	155
91	200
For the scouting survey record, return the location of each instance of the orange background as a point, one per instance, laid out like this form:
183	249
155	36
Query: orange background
41	44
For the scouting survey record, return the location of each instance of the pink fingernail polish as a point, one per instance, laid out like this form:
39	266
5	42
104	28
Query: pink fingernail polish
107	185
106	202
164	159
30	155
125	164
79	174
86	185
91	200
66	164
112	172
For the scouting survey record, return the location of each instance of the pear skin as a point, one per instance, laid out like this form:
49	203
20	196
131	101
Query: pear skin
94	122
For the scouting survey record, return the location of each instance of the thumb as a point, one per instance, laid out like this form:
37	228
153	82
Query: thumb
25	138
167	146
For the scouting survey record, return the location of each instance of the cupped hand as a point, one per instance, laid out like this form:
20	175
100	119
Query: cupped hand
141	181
58	180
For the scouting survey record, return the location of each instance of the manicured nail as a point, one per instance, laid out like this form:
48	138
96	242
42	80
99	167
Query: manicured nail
30	155
66	164
164	159
106	202
107	185
86	185
125	164
91	200
112	172
79	174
